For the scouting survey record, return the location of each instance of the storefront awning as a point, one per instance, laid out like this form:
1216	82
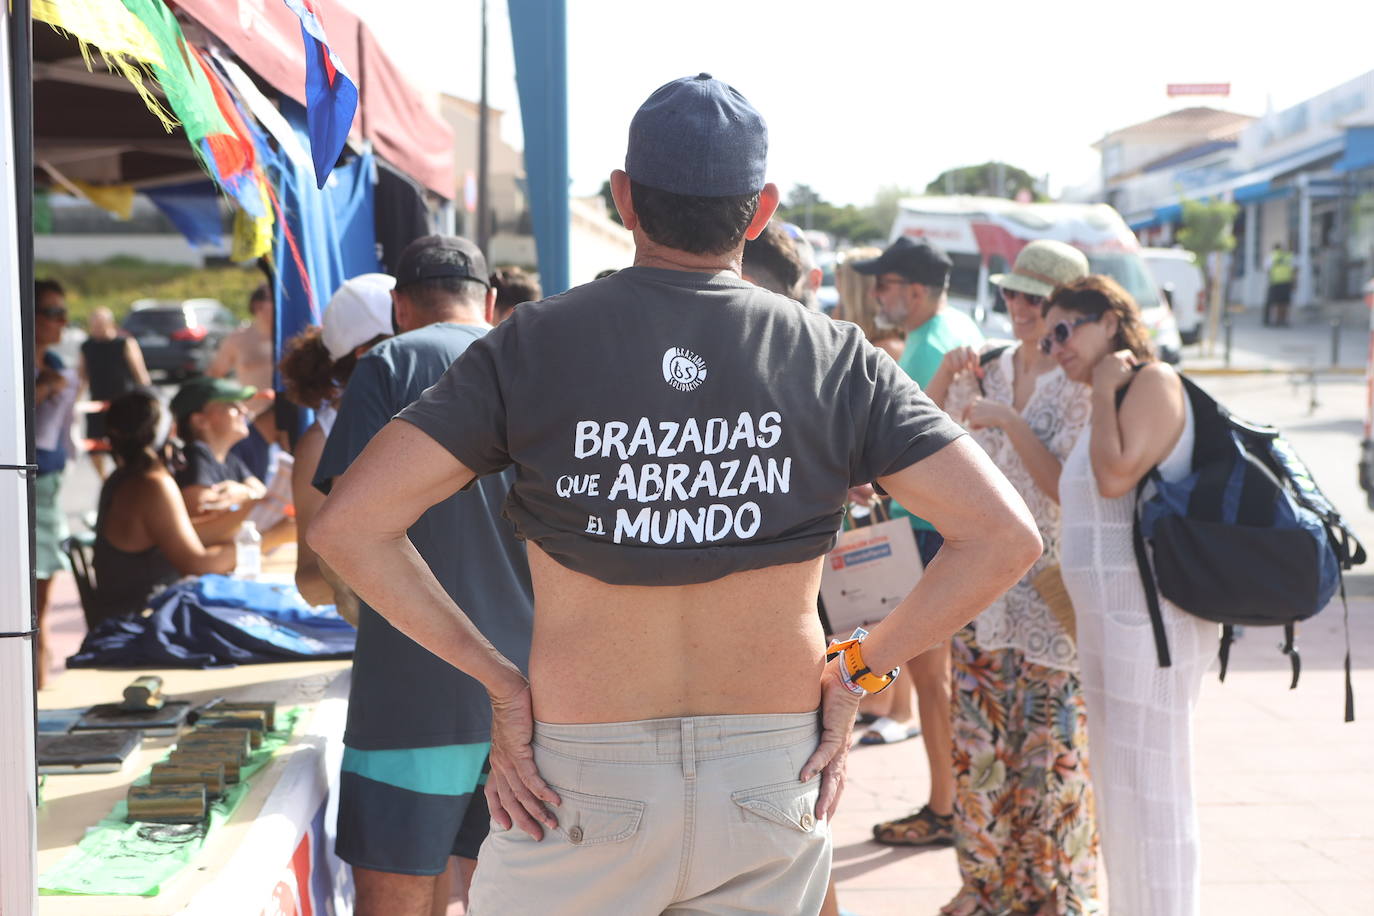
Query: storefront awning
1169	214
1260	191
1359	150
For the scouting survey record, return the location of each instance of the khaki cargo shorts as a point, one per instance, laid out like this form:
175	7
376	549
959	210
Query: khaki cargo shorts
700	815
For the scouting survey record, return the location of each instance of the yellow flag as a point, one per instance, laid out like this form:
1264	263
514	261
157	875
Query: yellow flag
123	42
116	198
253	235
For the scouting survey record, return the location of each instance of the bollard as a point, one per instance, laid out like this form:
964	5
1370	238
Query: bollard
1226	356
1335	342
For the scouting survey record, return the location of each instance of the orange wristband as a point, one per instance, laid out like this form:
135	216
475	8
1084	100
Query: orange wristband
854	672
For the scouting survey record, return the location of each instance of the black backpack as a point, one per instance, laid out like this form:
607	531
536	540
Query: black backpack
1247	538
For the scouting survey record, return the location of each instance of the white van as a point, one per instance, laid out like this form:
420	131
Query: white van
983	236
1178	274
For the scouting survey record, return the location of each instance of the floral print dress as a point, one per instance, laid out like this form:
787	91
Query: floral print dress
1023	812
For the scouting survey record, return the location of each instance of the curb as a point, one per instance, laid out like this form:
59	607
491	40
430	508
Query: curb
1272	370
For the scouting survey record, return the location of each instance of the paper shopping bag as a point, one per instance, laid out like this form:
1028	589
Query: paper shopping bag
868	573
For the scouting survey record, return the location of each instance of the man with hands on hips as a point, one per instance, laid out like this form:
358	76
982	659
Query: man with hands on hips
666	751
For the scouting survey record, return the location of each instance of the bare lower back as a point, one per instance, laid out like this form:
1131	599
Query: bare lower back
748	643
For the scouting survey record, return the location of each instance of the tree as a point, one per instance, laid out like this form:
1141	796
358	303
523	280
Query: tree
605	193
1207	232
806	208
982	180
883	211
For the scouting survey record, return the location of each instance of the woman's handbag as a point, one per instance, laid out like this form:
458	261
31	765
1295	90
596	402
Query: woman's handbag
1049	582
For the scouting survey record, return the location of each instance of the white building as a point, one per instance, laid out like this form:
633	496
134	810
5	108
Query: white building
1303	176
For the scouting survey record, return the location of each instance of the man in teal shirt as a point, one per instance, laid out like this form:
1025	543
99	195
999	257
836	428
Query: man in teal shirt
912	287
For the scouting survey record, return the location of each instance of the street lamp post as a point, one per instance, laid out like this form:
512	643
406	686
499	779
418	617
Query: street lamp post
483	190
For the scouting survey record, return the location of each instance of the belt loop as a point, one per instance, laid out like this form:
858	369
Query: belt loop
689	749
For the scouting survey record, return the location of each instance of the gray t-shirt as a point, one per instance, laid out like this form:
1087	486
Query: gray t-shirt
670	427
403	695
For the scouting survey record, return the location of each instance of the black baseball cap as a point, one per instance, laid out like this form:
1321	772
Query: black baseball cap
441	257
915	259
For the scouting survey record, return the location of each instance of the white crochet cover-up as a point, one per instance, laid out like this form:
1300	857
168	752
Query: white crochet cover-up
1140	734
1057	412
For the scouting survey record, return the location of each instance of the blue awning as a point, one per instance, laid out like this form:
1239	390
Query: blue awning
1172	213
1260	191
1148	222
1359	150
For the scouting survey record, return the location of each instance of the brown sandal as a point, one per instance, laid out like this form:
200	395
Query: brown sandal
922	828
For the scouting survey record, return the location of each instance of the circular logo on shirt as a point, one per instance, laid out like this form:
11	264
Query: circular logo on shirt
683	369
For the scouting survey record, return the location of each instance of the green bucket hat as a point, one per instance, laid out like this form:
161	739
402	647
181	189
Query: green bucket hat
194	395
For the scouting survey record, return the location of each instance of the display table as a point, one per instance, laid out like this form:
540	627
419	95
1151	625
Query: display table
276	849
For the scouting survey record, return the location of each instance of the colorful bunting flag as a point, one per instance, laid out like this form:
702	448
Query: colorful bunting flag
330	94
123	42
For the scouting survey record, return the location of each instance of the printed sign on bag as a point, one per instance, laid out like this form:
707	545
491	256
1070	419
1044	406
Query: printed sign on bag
868	573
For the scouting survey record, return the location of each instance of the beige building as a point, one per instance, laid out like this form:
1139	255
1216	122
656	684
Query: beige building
596	241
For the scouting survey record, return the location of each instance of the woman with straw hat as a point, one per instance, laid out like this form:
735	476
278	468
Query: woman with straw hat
1023	810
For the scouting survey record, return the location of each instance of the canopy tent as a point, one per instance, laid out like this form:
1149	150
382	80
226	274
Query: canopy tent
116	141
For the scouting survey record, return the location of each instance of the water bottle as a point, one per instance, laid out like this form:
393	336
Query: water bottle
248	547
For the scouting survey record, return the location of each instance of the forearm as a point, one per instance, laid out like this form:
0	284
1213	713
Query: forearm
1042	464
938	389
311	583
963	579
1106	448
391	576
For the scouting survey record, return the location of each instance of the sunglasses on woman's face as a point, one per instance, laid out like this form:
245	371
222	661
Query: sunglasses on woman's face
1061	332
1035	301
55	312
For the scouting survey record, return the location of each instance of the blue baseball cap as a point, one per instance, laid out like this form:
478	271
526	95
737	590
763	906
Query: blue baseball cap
700	137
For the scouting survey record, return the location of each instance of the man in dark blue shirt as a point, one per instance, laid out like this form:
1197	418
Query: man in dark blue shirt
419	729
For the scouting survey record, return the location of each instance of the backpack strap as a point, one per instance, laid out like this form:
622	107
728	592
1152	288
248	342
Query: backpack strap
988	357
1147	577
1142	557
1349	685
1291	651
1228	636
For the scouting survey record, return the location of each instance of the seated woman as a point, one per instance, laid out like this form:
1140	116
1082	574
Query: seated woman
316	367
218	487
143	534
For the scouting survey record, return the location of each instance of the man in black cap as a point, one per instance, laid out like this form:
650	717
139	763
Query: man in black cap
912	286
419	729
683	443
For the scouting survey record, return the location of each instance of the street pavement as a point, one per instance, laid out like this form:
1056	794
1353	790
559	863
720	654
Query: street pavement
1285	788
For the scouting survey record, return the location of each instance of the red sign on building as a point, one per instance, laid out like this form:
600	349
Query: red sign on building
1177	89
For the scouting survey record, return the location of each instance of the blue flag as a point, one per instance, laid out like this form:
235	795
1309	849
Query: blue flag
330	95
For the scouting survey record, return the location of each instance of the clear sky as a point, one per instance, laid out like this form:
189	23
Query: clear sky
859	94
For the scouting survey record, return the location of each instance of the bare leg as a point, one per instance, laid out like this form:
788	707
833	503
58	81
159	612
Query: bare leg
930	673
40	647
831	905
453	885
380	893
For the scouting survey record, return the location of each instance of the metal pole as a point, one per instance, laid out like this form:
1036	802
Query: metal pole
1335	342
483	188
1226	357
18	620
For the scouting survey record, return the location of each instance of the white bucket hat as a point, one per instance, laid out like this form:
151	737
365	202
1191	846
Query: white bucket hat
1041	266
359	311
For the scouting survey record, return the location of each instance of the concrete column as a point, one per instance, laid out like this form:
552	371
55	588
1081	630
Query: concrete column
1302	258
1254	270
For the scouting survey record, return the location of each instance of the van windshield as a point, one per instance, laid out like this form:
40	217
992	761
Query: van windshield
1127	268
963	278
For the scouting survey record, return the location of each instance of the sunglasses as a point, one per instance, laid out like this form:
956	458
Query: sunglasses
1036	301
55	312
1061	332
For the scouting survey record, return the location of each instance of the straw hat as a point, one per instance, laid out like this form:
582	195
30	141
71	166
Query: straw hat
1041	266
